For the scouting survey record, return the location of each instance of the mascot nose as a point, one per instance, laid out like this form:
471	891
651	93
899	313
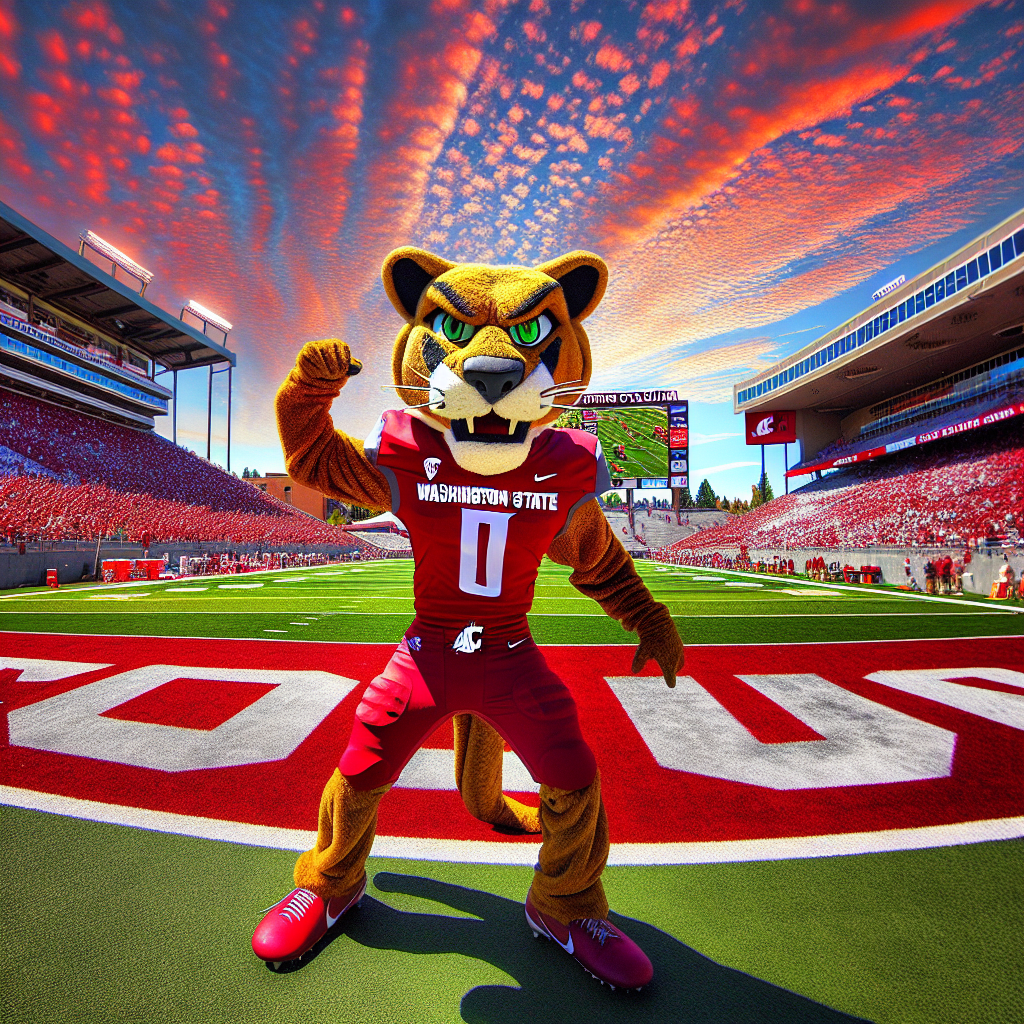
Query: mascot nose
492	376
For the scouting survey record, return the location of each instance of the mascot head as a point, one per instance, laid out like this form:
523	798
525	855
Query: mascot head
490	355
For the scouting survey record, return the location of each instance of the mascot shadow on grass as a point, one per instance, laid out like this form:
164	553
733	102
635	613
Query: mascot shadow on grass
486	360
689	988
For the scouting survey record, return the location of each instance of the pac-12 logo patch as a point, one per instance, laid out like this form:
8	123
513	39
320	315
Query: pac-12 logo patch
470	639
430	467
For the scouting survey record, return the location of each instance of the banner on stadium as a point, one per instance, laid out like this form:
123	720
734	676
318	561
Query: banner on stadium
996	416
771	427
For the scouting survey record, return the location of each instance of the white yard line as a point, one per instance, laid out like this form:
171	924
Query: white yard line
525	853
846	589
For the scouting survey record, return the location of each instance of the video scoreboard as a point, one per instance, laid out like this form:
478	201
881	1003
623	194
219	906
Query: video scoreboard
645	435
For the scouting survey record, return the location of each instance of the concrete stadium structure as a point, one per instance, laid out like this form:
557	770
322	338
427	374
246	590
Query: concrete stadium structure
866	378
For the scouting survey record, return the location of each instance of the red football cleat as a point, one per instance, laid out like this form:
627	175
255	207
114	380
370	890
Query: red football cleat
605	952
291	928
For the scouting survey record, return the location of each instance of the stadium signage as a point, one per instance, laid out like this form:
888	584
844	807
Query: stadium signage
1007	412
23	327
607	399
864	741
890	287
32	331
771	427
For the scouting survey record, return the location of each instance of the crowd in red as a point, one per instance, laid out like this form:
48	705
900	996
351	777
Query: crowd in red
100	479
956	491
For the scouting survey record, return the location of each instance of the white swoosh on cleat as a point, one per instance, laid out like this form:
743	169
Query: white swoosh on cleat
547	476
331	921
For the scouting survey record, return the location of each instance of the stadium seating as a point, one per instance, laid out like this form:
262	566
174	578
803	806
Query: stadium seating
67	476
957	491
1011	393
384	541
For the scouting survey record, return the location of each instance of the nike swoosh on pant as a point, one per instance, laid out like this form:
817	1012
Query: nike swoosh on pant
547	476
517	643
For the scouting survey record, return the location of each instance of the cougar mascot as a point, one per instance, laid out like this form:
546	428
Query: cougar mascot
486	488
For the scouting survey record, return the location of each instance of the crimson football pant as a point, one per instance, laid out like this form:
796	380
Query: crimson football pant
507	682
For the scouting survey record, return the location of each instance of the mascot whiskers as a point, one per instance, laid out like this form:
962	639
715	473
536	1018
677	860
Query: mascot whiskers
486	360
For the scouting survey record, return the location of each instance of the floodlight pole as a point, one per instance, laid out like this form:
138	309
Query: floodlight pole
209	411
229	417
785	455
174	413
764	489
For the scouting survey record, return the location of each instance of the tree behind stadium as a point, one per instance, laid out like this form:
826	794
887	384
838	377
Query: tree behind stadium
706	497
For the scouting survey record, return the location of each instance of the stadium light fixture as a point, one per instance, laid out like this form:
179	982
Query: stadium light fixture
208	317
116	257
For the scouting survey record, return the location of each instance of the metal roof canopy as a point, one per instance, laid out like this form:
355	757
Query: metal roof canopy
57	275
950	336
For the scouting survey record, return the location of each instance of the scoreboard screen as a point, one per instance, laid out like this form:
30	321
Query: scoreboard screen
645	441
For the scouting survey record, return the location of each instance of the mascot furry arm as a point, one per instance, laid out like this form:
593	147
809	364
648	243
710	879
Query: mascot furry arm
318	455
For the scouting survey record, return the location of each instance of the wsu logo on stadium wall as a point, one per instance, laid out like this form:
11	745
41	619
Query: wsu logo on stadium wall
755	742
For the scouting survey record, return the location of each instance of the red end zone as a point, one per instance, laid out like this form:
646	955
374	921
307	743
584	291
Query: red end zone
756	742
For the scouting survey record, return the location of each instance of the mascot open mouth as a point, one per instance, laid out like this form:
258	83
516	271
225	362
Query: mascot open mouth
491	429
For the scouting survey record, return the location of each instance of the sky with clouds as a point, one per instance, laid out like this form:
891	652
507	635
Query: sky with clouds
750	171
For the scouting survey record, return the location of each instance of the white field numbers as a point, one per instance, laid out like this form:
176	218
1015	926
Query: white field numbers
863	742
473	521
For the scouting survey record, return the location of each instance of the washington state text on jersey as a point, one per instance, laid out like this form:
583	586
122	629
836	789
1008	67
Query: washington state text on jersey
487	496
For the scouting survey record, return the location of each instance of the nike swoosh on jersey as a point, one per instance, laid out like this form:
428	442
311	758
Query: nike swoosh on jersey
517	643
547	476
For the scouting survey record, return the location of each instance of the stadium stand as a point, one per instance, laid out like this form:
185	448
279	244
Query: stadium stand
965	490
660	529
386	542
69	476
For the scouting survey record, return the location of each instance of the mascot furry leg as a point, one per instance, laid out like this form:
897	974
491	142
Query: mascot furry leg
478	759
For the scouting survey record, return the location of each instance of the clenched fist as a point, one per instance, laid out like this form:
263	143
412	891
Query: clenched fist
660	642
326	362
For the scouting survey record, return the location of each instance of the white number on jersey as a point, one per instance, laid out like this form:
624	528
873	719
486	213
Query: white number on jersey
497	535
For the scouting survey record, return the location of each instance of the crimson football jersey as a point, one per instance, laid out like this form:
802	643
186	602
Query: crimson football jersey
478	540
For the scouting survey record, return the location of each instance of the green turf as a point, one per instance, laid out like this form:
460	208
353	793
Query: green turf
109	923
372	602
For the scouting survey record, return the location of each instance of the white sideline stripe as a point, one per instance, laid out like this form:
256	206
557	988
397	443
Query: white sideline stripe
846	588
377	643
473	851
152	583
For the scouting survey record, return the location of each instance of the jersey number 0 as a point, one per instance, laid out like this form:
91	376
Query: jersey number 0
473	522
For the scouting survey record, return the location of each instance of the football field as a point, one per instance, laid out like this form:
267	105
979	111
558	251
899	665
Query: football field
821	822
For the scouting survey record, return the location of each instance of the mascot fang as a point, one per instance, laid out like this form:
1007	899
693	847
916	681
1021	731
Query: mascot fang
485	362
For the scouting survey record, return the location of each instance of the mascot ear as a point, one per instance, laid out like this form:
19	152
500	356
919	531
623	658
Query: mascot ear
406	272
583	277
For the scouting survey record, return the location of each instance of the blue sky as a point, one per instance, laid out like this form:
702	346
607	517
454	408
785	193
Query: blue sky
749	172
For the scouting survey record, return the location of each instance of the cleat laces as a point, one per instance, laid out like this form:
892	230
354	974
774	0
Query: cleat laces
599	930
297	905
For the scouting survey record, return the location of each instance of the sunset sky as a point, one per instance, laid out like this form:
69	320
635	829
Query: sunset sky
750	171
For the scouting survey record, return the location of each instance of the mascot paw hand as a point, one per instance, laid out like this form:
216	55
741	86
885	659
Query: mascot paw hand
328	361
660	642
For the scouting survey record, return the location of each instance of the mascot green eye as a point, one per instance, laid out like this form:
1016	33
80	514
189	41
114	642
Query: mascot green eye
452	329
531	333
